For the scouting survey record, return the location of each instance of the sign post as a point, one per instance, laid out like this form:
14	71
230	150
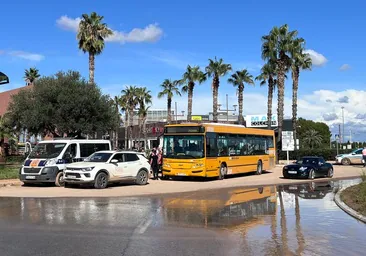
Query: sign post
288	143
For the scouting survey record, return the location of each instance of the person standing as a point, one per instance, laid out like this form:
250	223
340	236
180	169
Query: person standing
154	164
364	156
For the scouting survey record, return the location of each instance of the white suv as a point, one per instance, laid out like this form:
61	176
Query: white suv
104	167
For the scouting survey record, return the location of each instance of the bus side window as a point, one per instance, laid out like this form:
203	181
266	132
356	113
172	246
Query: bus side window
211	145
222	144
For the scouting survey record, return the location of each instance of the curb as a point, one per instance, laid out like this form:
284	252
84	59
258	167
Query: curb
346	208
10	184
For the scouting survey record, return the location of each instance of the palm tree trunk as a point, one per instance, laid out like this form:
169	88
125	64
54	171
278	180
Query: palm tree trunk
144	132
270	99
91	67
190	99
280	108
126	129
169	107
215	87
131	115
240	103
295	88
140	131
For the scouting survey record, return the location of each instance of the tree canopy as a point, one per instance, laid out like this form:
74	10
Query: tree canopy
63	103
308	127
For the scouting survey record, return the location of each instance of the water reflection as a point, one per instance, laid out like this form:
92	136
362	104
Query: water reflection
234	209
313	190
287	220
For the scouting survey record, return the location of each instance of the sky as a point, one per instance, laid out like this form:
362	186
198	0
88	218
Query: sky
155	40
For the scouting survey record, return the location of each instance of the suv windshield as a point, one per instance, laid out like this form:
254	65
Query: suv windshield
183	146
47	150
98	157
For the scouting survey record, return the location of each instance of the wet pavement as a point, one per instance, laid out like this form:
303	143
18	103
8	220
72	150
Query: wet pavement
286	220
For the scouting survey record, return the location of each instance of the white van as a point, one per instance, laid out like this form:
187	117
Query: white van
49	158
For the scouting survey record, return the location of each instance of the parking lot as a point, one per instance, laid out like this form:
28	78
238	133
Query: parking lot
272	177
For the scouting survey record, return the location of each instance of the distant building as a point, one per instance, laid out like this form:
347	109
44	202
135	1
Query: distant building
158	115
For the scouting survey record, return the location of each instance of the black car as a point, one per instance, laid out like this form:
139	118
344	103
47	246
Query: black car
308	167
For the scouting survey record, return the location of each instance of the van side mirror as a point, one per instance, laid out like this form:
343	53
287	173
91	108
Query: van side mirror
114	161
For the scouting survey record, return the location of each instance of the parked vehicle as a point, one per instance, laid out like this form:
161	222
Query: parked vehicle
105	167
308	167
48	159
355	157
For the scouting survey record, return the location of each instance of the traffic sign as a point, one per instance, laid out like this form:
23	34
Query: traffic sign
288	143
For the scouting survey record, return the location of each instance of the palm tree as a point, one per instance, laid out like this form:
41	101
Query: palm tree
276	48
143	99
300	61
31	75
143	114
130	96
267	76
91	35
238	79
117	103
124	108
190	77
169	88
312	138
215	69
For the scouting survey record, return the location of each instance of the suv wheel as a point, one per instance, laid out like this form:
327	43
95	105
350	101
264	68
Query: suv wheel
101	181
142	177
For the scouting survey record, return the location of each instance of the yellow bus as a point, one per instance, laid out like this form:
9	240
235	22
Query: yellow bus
216	150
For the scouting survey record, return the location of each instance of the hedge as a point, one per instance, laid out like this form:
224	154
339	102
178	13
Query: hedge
327	153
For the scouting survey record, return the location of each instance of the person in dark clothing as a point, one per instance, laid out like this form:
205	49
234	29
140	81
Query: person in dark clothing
154	164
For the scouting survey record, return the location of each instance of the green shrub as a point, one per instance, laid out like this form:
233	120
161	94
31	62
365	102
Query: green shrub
15	159
7	172
327	153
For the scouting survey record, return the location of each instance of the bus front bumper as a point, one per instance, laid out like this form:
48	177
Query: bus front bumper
184	172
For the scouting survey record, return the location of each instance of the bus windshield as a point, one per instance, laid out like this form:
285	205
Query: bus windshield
183	146
47	150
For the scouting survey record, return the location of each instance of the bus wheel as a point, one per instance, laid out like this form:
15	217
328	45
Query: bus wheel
259	168
222	172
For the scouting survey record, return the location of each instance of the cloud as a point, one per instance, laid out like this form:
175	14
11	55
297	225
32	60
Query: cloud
151	33
330	116
26	55
329	101
345	67
343	99
317	58
69	24
361	116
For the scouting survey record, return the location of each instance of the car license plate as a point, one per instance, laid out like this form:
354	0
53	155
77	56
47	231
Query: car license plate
71	176
181	174
292	172
30	177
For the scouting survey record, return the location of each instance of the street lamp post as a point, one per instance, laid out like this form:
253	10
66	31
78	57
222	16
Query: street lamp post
342	125
227	108
176	113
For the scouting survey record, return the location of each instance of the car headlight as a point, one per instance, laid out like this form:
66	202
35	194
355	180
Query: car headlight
87	169
303	168
285	168
51	162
